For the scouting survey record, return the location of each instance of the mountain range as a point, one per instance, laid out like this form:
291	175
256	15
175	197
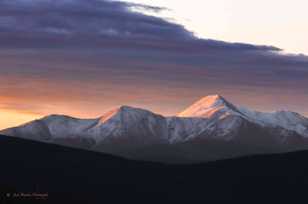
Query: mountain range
210	129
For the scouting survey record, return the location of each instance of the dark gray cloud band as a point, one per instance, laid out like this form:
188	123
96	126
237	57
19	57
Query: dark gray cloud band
97	23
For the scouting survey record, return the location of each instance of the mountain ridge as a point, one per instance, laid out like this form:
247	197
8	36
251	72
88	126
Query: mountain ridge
210	129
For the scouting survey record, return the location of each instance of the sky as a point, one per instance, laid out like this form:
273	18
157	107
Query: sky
271	22
85	57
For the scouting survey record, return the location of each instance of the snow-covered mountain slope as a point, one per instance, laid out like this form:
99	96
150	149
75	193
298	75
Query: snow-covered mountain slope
283	119
125	125
209	107
210	129
215	107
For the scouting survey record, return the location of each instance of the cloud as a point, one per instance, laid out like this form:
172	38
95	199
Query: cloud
66	52
97	23
74	19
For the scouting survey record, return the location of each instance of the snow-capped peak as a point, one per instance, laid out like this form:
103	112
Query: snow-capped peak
211	101
208	106
113	113
124	111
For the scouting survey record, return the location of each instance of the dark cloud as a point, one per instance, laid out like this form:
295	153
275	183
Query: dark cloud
103	25
82	19
97	24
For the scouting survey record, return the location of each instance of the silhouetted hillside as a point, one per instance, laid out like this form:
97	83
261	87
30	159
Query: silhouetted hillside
77	176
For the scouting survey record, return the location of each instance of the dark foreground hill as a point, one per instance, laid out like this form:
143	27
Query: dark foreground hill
76	176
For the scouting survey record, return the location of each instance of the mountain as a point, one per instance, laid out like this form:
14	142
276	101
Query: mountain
76	176
210	129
